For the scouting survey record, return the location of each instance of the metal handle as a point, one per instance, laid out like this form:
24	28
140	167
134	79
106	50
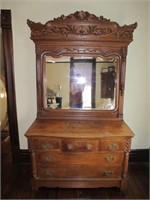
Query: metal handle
70	146
109	158
89	146
48	158
113	146
49	172
108	172
47	146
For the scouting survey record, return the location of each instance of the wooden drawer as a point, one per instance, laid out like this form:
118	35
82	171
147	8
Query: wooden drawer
79	171
79	145
117	144
79	158
43	143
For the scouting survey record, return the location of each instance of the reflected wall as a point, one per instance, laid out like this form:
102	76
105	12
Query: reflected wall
80	83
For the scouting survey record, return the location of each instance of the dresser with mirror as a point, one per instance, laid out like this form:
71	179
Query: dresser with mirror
79	138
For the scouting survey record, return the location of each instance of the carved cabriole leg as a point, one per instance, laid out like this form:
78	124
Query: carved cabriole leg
123	186
34	182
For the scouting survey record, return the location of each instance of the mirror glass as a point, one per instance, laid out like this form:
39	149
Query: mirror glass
80	83
3	104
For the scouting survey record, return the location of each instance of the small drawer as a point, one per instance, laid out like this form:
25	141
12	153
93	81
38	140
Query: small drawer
43	143
117	144
79	145
79	171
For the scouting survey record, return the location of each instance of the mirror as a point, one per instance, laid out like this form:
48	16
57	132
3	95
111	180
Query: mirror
3	103
80	83
85	50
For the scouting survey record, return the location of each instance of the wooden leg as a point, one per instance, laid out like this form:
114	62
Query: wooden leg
123	186
34	184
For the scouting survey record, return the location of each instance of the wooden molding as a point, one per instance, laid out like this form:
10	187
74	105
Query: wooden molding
81	34
7	43
81	24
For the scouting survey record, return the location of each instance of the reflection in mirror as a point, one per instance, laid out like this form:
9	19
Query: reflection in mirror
3	104
80	83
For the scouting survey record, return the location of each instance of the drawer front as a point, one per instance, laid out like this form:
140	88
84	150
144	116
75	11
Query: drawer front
79	158
79	145
117	144
43	143
79	171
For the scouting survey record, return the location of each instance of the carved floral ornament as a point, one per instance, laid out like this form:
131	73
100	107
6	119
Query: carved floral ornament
79	25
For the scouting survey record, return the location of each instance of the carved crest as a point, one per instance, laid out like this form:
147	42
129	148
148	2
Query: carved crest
81	16
80	25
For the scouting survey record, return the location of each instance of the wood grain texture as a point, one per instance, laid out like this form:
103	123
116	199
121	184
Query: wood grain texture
15	184
81	34
80	129
72	147
79	154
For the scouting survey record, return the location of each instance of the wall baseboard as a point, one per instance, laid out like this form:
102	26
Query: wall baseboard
137	155
24	157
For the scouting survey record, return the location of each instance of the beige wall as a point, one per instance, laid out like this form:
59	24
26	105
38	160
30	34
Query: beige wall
56	77
148	50
122	11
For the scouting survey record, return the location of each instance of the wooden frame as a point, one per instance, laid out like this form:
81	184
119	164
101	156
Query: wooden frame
81	34
10	85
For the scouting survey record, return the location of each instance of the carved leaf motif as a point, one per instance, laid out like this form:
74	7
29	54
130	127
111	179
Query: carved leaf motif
80	16
71	30
125	31
81	24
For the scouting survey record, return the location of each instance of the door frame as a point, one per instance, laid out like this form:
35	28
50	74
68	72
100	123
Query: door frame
7	45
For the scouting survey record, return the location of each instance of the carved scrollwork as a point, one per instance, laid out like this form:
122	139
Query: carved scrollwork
80	30
80	16
39	30
126	31
88	24
121	88
123	54
77	50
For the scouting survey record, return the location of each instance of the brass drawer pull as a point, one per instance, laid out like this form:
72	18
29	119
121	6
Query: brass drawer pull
113	146
47	146
49	172
89	146
48	158
70	146
109	158
108	172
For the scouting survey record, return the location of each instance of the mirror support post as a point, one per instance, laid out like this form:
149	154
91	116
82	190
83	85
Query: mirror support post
122	81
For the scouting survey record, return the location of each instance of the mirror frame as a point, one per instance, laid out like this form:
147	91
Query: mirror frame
75	35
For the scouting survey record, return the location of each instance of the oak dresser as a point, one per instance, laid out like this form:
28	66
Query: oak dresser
79	153
86	146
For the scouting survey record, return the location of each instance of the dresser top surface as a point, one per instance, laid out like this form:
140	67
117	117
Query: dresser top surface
83	129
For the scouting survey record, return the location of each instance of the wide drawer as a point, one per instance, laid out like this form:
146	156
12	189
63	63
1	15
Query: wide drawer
79	145
79	171
43	143
111	144
79	158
